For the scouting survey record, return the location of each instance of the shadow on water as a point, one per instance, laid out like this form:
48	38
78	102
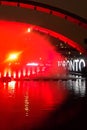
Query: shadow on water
72	115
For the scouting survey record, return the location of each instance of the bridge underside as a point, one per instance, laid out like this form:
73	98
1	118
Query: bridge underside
58	27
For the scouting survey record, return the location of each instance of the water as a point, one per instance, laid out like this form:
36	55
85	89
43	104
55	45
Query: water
28	105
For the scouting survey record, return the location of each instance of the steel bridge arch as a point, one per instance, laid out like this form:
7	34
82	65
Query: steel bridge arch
51	20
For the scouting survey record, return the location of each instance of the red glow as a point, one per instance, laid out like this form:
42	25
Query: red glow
32	45
9	3
33	99
43	9
45	97
14	75
58	14
73	20
13	56
26	6
61	37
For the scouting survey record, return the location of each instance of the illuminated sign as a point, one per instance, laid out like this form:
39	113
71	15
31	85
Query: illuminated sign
73	65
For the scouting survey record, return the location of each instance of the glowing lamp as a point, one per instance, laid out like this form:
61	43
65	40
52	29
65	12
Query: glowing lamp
13	56
29	30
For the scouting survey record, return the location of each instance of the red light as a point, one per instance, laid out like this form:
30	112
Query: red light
14	74
26	6
9	3
37	50
19	74
28	73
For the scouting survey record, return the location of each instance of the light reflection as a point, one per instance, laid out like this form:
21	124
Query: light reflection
5	85
11	88
0	75
26	102
18	84
31	102
12	84
33	71
78	85
43	69
38	69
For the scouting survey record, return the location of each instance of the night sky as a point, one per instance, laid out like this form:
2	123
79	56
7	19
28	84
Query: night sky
78	7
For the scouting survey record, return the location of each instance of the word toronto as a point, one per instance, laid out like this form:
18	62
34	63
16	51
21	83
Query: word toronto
73	65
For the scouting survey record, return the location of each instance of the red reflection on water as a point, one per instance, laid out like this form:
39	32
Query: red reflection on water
28	104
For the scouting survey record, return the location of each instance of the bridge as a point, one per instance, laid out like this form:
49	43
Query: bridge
55	21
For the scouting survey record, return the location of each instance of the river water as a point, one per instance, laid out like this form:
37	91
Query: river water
28	105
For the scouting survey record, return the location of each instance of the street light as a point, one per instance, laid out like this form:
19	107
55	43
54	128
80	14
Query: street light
13	56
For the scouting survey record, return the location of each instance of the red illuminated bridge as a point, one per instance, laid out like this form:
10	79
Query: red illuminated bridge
35	36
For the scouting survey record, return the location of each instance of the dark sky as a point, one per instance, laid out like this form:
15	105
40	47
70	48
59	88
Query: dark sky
78	7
